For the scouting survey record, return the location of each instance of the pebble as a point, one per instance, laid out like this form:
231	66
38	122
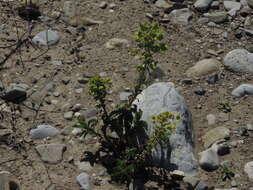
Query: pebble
200	91
209	160
103	5
15	92
203	68
231	5
248	169
217	17
243	89
211	119
44	131
203	5
84	181
181	16
68	115
46	38
239	60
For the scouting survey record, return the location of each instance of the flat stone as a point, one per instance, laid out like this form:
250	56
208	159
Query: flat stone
214	135
203	68
209	160
46	38
68	115
84	181
243	89
229	5
116	43
51	153
181	16
239	60
217	17
44	131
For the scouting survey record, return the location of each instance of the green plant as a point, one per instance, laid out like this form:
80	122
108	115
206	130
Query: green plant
226	173
87	126
130	154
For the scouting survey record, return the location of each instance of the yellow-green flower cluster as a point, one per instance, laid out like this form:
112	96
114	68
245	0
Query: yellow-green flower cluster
165	123
98	87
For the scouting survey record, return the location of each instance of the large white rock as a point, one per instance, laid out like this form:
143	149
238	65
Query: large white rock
178	152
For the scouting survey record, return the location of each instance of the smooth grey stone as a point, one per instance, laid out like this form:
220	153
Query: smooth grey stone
68	115
243	89
15	92
203	5
46	38
239	60
178	152
84	181
248	169
209	160
229	5
44	131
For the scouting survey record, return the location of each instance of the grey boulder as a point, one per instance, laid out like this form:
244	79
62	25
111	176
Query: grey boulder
178	152
239	60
